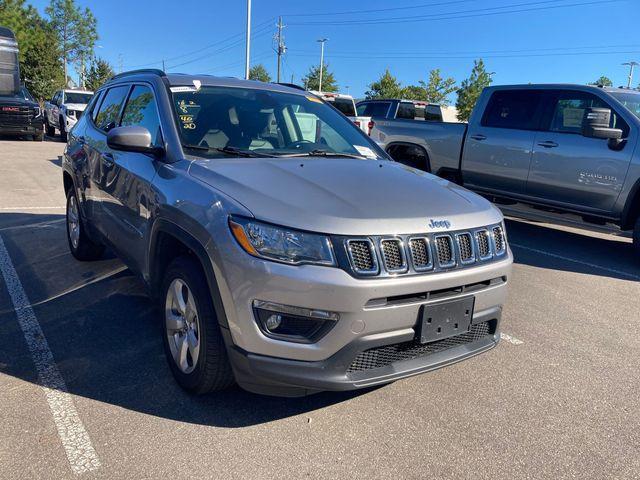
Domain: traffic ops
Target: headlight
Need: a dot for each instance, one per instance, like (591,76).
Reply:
(37,112)
(282,244)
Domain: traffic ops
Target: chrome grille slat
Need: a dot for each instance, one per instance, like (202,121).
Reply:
(445,252)
(484,244)
(421,253)
(393,255)
(466,249)
(363,256)
(498,240)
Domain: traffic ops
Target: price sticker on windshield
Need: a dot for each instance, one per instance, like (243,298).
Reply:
(365,151)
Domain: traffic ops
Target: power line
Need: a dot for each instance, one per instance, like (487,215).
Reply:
(460,14)
(377,10)
(202,49)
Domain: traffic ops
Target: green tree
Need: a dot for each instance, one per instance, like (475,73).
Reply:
(98,73)
(76,30)
(312,79)
(40,67)
(387,86)
(259,72)
(436,90)
(470,90)
(604,81)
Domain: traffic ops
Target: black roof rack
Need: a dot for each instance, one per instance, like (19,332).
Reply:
(152,71)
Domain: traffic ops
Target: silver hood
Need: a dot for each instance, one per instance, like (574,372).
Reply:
(345,196)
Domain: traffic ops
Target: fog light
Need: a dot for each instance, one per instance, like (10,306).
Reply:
(273,322)
(293,324)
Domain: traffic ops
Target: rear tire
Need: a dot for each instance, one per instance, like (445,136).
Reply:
(636,238)
(63,130)
(51,130)
(80,245)
(193,342)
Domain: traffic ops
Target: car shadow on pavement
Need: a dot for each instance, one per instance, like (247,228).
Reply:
(544,247)
(57,161)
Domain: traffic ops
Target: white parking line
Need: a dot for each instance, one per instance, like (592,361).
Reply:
(510,339)
(573,260)
(75,439)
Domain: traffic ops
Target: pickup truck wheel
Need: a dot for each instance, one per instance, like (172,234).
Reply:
(636,238)
(51,130)
(193,342)
(81,246)
(63,130)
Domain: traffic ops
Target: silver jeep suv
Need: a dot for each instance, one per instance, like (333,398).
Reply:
(287,252)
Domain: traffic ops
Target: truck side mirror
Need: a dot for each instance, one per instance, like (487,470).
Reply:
(595,124)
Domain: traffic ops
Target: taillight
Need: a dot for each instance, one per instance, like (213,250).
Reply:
(357,123)
(370,126)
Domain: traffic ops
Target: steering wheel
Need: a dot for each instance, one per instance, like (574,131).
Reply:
(299,143)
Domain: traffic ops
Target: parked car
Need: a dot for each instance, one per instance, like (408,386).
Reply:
(393,108)
(347,105)
(570,148)
(64,110)
(9,66)
(289,260)
(21,115)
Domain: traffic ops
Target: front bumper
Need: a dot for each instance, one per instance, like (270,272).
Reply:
(33,128)
(282,377)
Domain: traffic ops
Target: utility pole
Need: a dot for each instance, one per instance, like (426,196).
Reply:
(631,66)
(248,52)
(280,46)
(322,42)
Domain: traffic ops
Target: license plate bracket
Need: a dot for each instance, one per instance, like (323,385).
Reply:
(443,320)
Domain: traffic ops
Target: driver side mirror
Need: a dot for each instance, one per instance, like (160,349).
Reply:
(132,139)
(595,124)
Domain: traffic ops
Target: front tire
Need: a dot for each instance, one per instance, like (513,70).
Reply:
(51,130)
(193,341)
(80,245)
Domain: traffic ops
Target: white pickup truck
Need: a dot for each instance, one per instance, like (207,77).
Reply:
(64,110)
(347,105)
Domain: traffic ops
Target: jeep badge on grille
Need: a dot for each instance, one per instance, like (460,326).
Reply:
(440,224)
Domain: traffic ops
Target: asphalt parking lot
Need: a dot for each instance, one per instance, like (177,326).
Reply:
(558,398)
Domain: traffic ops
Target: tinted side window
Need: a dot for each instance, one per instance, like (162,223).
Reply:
(373,109)
(93,108)
(406,110)
(569,109)
(141,110)
(512,109)
(109,111)
(345,105)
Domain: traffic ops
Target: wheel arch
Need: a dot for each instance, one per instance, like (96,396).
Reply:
(169,241)
(402,146)
(631,210)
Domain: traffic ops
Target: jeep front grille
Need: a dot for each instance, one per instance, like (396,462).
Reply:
(362,256)
(415,254)
(393,255)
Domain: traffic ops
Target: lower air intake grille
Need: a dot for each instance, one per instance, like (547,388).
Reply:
(465,244)
(384,356)
(420,253)
(483,244)
(498,238)
(361,252)
(392,254)
(444,248)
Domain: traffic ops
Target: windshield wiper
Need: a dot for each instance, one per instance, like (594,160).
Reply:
(238,152)
(321,153)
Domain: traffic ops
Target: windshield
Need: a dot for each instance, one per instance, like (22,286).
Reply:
(373,109)
(22,94)
(629,100)
(222,121)
(346,106)
(77,97)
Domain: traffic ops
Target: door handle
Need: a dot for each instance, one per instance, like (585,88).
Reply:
(548,144)
(107,159)
(479,137)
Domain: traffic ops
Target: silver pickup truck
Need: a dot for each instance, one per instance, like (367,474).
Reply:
(571,148)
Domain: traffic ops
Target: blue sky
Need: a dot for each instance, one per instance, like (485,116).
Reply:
(536,42)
